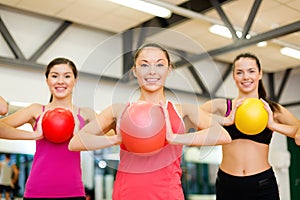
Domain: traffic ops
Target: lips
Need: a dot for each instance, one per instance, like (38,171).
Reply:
(60,89)
(152,80)
(246,84)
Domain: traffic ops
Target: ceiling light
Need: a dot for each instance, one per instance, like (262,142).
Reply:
(224,31)
(145,7)
(262,44)
(290,52)
(220,30)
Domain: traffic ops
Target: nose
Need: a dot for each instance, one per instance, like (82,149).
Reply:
(152,69)
(246,76)
(60,79)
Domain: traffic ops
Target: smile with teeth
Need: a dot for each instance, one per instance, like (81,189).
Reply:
(152,80)
(60,89)
(246,83)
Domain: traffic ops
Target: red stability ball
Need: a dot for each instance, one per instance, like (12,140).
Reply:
(143,128)
(58,125)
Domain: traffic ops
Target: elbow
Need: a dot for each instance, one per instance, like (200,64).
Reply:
(3,110)
(74,144)
(71,146)
(226,137)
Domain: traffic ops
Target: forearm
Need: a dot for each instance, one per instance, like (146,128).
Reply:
(8,132)
(86,142)
(222,120)
(288,130)
(3,106)
(215,135)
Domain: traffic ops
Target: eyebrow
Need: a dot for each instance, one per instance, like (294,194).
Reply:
(58,73)
(161,59)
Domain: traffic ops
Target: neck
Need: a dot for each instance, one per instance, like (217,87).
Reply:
(153,98)
(248,95)
(67,102)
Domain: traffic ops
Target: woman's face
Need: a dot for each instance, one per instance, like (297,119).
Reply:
(61,81)
(151,68)
(246,75)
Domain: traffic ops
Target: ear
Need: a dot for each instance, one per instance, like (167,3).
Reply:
(133,69)
(170,69)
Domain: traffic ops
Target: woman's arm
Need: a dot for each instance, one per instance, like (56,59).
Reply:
(284,122)
(3,106)
(93,135)
(8,132)
(88,139)
(209,132)
(9,125)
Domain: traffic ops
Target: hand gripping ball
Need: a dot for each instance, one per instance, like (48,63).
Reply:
(143,128)
(58,125)
(251,117)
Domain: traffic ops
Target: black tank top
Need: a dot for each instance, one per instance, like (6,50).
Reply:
(263,137)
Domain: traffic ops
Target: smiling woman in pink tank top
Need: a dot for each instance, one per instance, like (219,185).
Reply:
(156,176)
(55,171)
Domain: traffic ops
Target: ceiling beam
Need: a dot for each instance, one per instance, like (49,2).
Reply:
(34,65)
(198,80)
(283,83)
(221,81)
(224,18)
(251,17)
(10,41)
(50,40)
(239,44)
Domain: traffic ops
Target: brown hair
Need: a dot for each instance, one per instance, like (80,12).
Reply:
(137,52)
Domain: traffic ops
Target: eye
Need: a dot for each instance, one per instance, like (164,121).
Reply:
(68,76)
(144,65)
(53,76)
(160,65)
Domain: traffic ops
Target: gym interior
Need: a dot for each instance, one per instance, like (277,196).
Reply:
(99,36)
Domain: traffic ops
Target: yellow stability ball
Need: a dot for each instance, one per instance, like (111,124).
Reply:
(251,117)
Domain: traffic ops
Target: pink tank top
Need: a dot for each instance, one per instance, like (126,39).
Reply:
(55,171)
(152,177)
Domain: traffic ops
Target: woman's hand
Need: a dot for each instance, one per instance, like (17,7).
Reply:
(39,130)
(230,119)
(271,121)
(76,122)
(118,132)
(169,132)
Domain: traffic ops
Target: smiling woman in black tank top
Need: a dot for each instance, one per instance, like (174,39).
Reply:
(245,172)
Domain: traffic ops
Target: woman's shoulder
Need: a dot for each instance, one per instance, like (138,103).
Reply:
(217,105)
(37,106)
(26,114)
(34,108)
(87,113)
